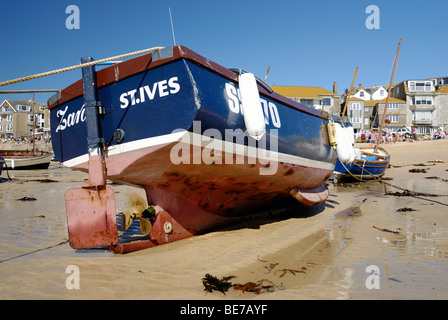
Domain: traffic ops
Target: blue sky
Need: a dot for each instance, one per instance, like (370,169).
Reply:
(306,43)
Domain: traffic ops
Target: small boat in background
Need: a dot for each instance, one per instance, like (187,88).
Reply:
(25,160)
(2,163)
(363,163)
(368,165)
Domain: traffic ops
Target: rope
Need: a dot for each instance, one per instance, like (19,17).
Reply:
(49,73)
(407,192)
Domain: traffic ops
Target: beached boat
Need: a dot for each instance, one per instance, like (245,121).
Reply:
(368,165)
(172,123)
(357,162)
(25,160)
(363,163)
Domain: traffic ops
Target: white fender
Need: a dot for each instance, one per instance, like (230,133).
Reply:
(252,109)
(351,133)
(351,136)
(344,148)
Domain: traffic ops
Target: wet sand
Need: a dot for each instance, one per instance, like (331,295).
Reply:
(310,253)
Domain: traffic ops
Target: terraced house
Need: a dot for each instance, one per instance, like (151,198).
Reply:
(366,108)
(16,118)
(428,103)
(315,97)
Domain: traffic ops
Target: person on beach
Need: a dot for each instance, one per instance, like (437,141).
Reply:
(363,137)
(443,134)
(414,133)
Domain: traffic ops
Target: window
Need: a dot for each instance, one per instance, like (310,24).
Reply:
(366,109)
(40,120)
(22,108)
(327,102)
(381,92)
(8,127)
(422,115)
(361,94)
(356,106)
(5,109)
(392,106)
(9,117)
(421,86)
(355,120)
(307,102)
(392,117)
(366,121)
(422,100)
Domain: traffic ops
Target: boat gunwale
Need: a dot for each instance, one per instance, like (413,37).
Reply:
(23,153)
(131,67)
(385,161)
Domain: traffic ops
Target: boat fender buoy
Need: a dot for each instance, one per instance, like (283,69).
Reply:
(351,134)
(344,146)
(251,105)
(331,128)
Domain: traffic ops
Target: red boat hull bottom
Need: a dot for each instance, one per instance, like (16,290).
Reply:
(190,198)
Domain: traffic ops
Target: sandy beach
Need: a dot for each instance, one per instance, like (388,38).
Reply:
(323,252)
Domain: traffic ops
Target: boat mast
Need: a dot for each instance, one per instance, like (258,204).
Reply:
(32,101)
(350,92)
(267,72)
(380,133)
(34,128)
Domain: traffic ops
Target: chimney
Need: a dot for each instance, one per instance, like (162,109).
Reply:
(335,88)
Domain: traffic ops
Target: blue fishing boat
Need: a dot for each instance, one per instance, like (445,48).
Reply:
(357,162)
(2,163)
(363,163)
(209,145)
(368,165)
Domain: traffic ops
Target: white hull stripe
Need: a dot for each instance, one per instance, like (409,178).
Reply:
(211,143)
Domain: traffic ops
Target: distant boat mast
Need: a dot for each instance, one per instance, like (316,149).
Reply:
(380,133)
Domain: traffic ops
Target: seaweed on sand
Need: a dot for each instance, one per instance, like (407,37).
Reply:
(212,283)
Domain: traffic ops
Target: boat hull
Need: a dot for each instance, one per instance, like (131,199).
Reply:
(363,169)
(19,160)
(174,126)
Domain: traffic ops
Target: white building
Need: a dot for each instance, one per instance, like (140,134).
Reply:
(427,101)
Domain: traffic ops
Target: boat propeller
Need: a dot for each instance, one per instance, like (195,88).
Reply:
(139,211)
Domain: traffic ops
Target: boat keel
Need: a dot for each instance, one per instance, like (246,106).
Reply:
(165,229)
(310,197)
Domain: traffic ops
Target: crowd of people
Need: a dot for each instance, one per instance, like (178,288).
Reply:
(439,134)
(371,136)
(25,140)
